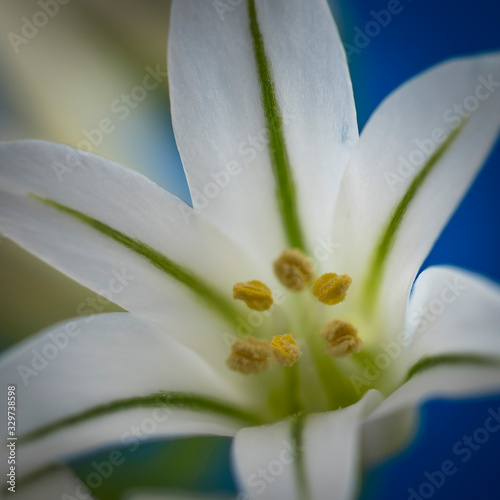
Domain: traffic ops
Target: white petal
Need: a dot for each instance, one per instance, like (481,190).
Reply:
(404,125)
(219,121)
(314,88)
(267,467)
(394,423)
(454,312)
(85,363)
(59,483)
(127,202)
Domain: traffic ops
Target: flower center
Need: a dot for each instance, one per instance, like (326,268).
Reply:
(297,339)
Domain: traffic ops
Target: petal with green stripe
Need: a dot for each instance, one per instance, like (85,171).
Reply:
(89,383)
(123,237)
(217,301)
(389,233)
(392,426)
(306,457)
(280,161)
(454,313)
(284,130)
(411,167)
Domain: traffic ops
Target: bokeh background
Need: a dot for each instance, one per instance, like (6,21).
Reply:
(64,81)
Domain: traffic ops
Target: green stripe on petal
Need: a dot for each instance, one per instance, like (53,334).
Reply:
(297,432)
(277,147)
(212,297)
(389,234)
(451,360)
(189,402)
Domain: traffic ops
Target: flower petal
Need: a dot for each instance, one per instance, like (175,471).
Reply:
(394,423)
(89,187)
(315,460)
(220,123)
(412,165)
(454,312)
(87,382)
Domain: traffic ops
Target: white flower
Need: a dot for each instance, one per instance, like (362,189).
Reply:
(265,122)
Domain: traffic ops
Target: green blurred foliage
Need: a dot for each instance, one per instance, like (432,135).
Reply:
(190,464)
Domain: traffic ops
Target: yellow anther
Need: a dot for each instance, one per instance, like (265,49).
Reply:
(249,355)
(331,288)
(342,338)
(285,351)
(256,295)
(294,269)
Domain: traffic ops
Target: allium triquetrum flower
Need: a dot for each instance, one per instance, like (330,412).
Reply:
(276,310)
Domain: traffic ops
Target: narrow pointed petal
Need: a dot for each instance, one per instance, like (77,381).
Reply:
(414,161)
(91,382)
(120,235)
(315,457)
(220,122)
(454,312)
(454,351)
(394,423)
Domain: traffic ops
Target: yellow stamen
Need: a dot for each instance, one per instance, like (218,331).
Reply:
(256,295)
(294,269)
(249,355)
(285,351)
(342,338)
(331,288)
